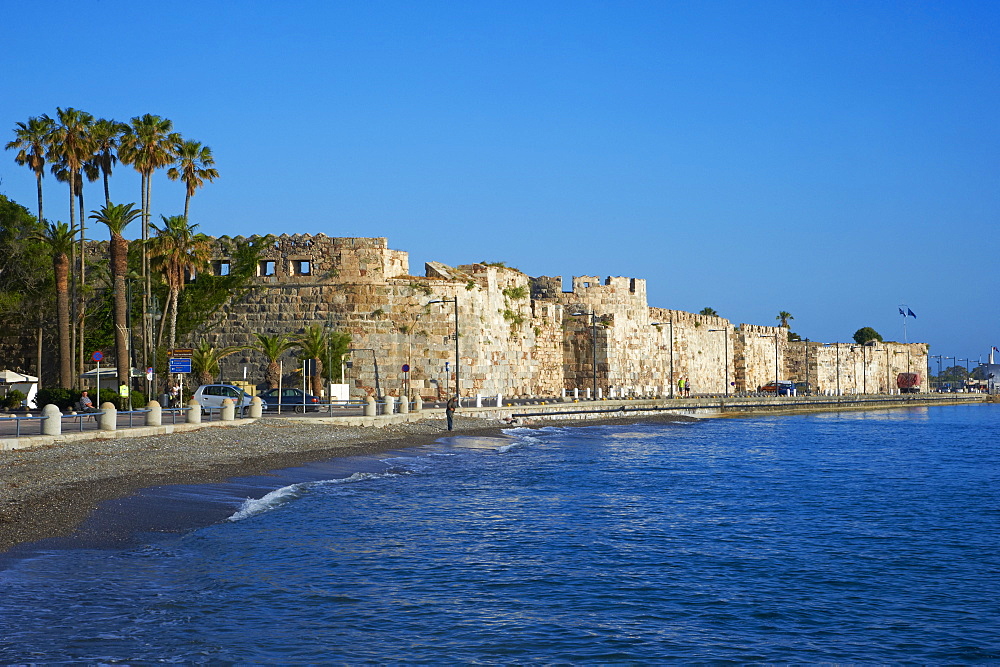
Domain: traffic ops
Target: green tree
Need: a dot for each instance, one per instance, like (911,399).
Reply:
(117,217)
(194,166)
(865,335)
(205,360)
(175,251)
(31,141)
(338,343)
(783,317)
(147,144)
(25,271)
(710,312)
(272,347)
(59,238)
(106,135)
(312,343)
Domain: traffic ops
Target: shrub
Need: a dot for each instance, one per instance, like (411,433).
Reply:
(13,399)
(63,399)
(866,335)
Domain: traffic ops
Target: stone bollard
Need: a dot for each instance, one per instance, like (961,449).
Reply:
(256,408)
(479,400)
(52,425)
(499,401)
(418,403)
(194,412)
(228,412)
(155,415)
(404,405)
(390,405)
(109,420)
(370,407)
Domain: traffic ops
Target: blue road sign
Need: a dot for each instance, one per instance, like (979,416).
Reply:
(179,365)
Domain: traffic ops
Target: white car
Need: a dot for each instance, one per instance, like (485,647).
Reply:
(210,396)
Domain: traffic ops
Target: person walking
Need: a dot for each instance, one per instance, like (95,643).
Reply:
(687,387)
(680,387)
(449,411)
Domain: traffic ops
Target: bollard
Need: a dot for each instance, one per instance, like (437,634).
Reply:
(404,405)
(155,415)
(256,408)
(499,401)
(228,412)
(370,407)
(109,420)
(418,403)
(479,400)
(390,405)
(52,425)
(194,412)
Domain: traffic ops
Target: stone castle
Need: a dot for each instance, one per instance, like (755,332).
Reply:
(518,335)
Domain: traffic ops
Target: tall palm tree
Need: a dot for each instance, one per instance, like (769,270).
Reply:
(783,317)
(710,312)
(60,239)
(273,347)
(147,144)
(205,360)
(106,135)
(32,143)
(117,217)
(193,166)
(177,250)
(312,343)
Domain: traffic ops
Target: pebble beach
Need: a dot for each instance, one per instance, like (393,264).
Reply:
(48,491)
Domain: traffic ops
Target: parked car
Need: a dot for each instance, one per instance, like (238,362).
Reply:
(783,388)
(210,396)
(803,389)
(290,398)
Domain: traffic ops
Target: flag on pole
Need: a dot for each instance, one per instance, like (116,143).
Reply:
(911,313)
(901,312)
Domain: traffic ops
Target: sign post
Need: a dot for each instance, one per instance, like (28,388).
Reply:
(97,356)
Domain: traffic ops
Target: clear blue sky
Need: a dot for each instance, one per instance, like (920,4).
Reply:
(831,159)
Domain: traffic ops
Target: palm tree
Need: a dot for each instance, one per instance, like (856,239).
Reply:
(205,360)
(783,317)
(117,217)
(177,250)
(106,135)
(60,238)
(147,144)
(32,142)
(709,312)
(273,347)
(193,166)
(313,346)
(70,146)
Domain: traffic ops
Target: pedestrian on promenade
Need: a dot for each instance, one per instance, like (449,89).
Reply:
(449,411)
(126,396)
(175,389)
(680,387)
(687,387)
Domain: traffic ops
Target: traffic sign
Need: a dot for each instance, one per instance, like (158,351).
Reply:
(179,365)
(181,352)
(97,356)
(406,368)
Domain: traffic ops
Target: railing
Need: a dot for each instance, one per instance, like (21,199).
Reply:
(17,422)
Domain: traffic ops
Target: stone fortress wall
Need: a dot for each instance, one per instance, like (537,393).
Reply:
(519,335)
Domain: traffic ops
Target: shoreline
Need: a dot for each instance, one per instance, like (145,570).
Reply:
(47,492)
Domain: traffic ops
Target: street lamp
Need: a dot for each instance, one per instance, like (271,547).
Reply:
(593,336)
(153,315)
(938,357)
(454,300)
(670,381)
(725,341)
(775,337)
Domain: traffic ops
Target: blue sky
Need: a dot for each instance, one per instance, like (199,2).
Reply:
(830,159)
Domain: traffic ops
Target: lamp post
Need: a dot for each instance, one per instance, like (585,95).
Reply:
(965,385)
(153,316)
(938,357)
(378,387)
(593,336)
(775,337)
(670,380)
(454,300)
(725,342)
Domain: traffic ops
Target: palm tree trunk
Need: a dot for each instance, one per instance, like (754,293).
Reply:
(119,266)
(60,266)
(83,272)
(38,176)
(187,200)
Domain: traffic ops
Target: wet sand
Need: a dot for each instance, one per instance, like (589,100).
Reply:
(48,491)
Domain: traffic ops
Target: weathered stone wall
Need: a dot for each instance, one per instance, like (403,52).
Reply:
(849,368)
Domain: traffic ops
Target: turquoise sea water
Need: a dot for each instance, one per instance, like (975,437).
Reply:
(850,537)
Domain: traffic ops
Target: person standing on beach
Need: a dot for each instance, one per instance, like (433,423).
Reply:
(449,411)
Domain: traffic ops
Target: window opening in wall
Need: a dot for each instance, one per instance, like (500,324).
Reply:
(266,268)
(301,267)
(221,267)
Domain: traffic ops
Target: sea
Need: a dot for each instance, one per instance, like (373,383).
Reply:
(848,537)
